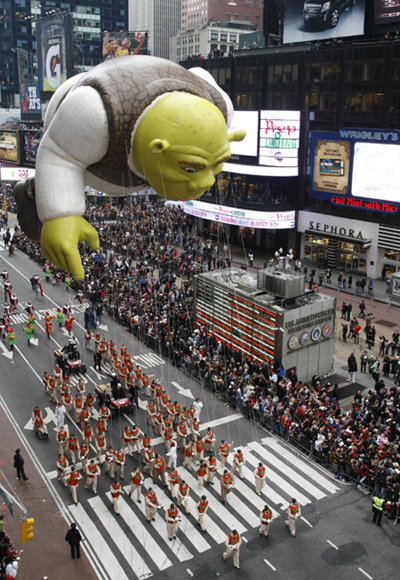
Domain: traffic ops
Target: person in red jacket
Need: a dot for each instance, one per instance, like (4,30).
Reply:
(68,323)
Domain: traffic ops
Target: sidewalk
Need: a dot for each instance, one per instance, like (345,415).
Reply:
(47,555)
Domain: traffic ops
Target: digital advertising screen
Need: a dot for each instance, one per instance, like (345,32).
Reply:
(314,20)
(9,150)
(116,44)
(387,11)
(357,168)
(29,98)
(54,52)
(247,120)
(29,146)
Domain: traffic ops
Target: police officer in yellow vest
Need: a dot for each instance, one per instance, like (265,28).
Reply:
(377,508)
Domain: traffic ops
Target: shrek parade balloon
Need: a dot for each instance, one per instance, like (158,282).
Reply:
(126,123)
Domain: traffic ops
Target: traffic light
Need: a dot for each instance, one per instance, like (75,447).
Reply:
(27,530)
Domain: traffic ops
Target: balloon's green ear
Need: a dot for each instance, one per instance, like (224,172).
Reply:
(158,146)
(236,136)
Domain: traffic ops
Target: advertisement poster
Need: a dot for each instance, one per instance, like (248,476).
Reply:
(29,98)
(279,138)
(332,166)
(314,20)
(9,146)
(387,11)
(357,168)
(124,44)
(30,144)
(54,48)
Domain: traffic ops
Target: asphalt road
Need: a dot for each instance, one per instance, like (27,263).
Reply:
(335,540)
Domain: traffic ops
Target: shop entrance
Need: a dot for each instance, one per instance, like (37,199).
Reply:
(344,256)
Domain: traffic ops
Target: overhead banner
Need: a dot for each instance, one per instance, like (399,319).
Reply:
(9,149)
(357,168)
(29,98)
(387,12)
(240,217)
(54,50)
(320,20)
(116,44)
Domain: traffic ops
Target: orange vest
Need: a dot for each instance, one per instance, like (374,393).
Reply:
(145,381)
(160,464)
(294,509)
(101,426)
(73,443)
(168,432)
(224,449)
(84,451)
(78,403)
(233,540)
(92,468)
(261,471)
(182,429)
(202,506)
(100,440)
(149,455)
(266,516)
(151,407)
(239,458)
(74,478)
(136,478)
(87,430)
(188,450)
(202,472)
(174,477)
(138,374)
(210,435)
(89,401)
(84,415)
(127,436)
(212,463)
(110,455)
(199,445)
(61,437)
(151,496)
(183,489)
(146,442)
(62,463)
(159,390)
(119,458)
(135,433)
(115,490)
(227,479)
(172,513)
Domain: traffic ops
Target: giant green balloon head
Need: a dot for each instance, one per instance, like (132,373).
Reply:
(181,144)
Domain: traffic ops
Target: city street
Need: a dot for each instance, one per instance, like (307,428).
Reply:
(335,535)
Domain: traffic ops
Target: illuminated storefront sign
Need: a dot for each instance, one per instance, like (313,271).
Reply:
(240,217)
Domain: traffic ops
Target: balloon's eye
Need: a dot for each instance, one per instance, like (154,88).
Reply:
(189,170)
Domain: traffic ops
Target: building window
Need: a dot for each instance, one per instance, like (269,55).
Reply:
(224,37)
(214,35)
(178,41)
(178,52)
(232,38)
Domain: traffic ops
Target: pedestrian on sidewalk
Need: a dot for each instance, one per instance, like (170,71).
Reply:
(251,258)
(352,368)
(328,274)
(362,309)
(74,539)
(19,465)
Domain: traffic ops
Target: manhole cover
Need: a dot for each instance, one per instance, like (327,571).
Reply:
(386,323)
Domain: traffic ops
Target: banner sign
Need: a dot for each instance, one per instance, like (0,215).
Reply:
(16,173)
(240,217)
(9,150)
(357,168)
(29,98)
(29,145)
(54,51)
(116,44)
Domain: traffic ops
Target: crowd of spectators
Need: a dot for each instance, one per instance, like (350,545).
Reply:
(143,277)
(8,556)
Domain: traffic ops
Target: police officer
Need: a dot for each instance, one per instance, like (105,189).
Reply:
(377,508)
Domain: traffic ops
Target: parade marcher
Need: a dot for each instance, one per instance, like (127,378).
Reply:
(238,463)
(172,519)
(127,440)
(135,432)
(73,447)
(209,439)
(116,491)
(62,439)
(83,455)
(224,451)
(78,406)
(183,495)
(149,458)
(232,544)
(293,512)
(60,414)
(88,340)
(66,399)
(28,333)
(199,450)
(110,461)
(150,412)
(173,477)
(92,473)
(11,339)
(120,463)
(226,485)
(196,430)
(260,477)
(201,474)
(51,390)
(212,468)
(62,464)
(145,443)
(101,446)
(60,317)
(74,478)
(151,505)
(265,521)
(198,405)
(187,451)
(137,480)
(58,376)
(159,469)
(87,433)
(172,456)
(202,507)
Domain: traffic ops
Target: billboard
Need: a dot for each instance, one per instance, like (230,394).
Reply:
(15,173)
(321,20)
(116,44)
(29,145)
(357,168)
(54,50)
(29,98)
(9,150)
(387,11)
(271,146)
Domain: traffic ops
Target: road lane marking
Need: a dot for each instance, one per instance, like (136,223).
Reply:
(270,565)
(333,545)
(365,574)
(304,520)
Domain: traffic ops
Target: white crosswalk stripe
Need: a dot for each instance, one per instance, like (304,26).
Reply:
(124,544)
(145,547)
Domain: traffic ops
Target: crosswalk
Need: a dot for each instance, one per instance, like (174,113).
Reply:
(131,547)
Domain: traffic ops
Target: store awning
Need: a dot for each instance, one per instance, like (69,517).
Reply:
(363,242)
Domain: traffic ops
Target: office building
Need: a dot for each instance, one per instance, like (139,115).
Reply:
(196,13)
(161,18)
